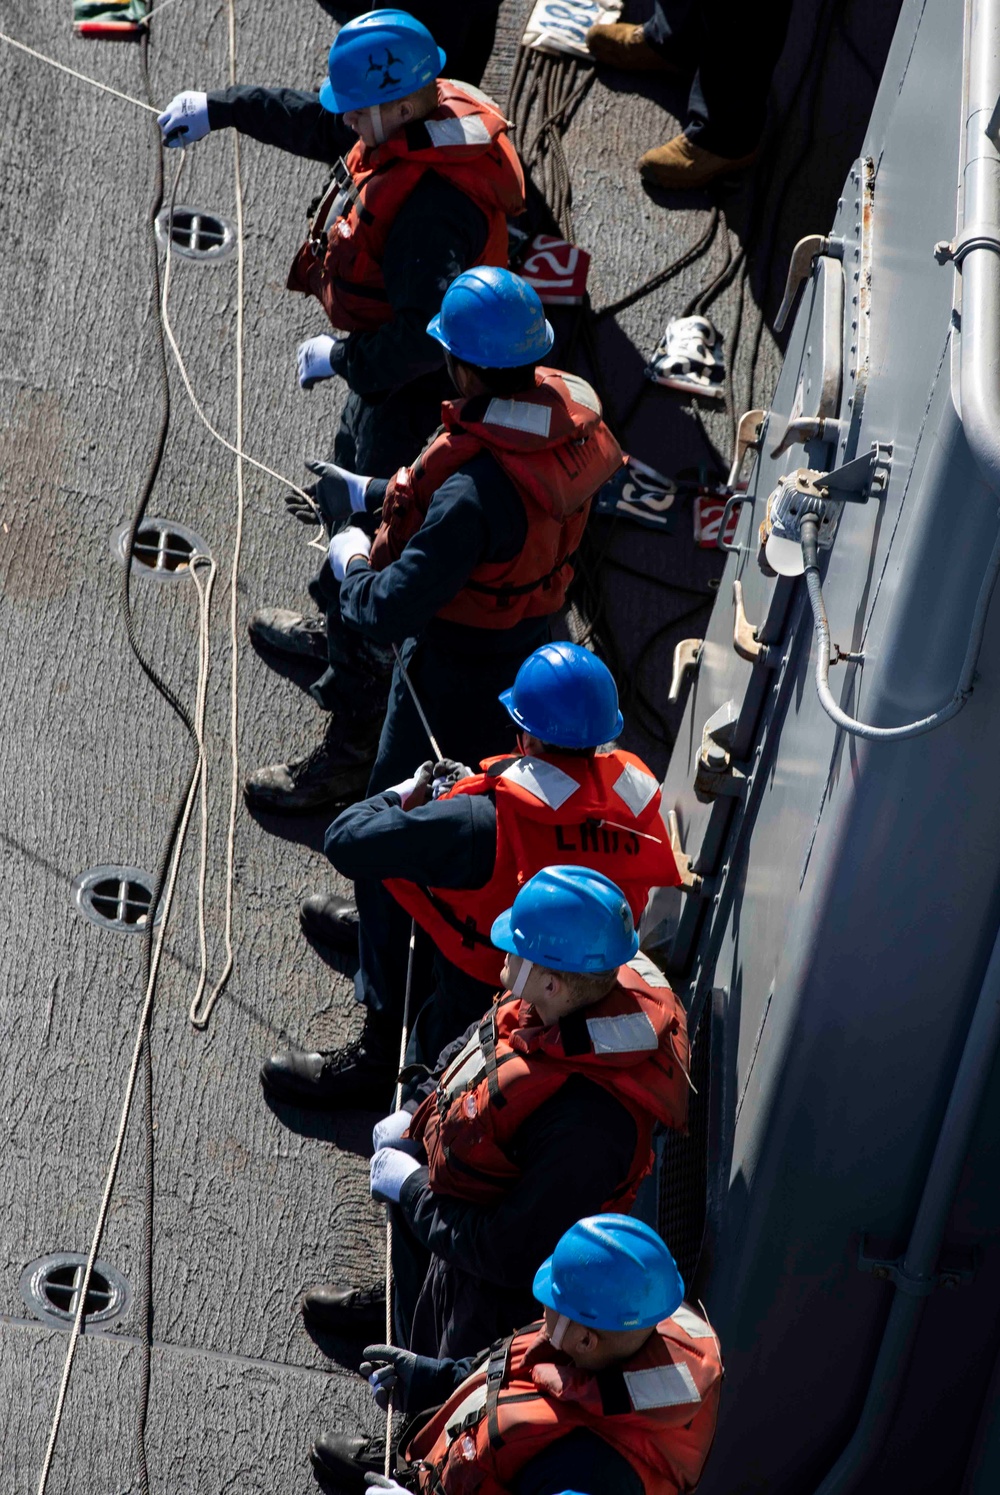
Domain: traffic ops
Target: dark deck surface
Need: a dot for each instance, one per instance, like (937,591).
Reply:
(251,1207)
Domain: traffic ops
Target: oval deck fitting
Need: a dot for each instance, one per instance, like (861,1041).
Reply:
(51,1287)
(114,897)
(196,234)
(163,548)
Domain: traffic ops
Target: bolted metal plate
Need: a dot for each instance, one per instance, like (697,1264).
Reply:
(162,549)
(50,1287)
(195,233)
(113,897)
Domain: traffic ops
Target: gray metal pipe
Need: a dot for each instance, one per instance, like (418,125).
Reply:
(978,246)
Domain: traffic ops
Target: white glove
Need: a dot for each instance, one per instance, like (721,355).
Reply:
(414,791)
(314,359)
(185,119)
(381,1482)
(390,1129)
(345,546)
(389,1171)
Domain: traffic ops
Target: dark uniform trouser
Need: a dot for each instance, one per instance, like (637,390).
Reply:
(735,48)
(376,438)
(459,695)
(444,1312)
(444,999)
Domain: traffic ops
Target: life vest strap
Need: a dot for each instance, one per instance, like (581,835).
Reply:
(505,594)
(467,927)
(496,1374)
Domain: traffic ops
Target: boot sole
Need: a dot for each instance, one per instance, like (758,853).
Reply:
(343,938)
(346,794)
(345,1326)
(305,1101)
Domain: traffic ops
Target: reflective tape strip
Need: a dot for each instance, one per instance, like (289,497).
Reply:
(465,1070)
(543,780)
(471,1405)
(469,130)
(661,1386)
(644,967)
(476,93)
(632,1033)
(518,415)
(635,788)
(582,392)
(693,1326)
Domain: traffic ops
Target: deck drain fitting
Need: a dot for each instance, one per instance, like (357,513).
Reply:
(195,234)
(115,898)
(51,1287)
(162,549)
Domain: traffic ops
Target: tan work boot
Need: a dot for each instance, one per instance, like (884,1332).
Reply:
(681,165)
(624,46)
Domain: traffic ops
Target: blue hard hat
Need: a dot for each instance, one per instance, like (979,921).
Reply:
(565,696)
(379,57)
(610,1272)
(568,919)
(492,319)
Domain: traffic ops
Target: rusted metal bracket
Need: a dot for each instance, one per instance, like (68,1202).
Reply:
(745,640)
(800,268)
(717,775)
(686,656)
(748,437)
(691,882)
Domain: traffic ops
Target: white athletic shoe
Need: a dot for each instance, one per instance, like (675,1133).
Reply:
(688,357)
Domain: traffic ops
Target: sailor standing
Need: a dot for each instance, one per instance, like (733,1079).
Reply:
(615,1392)
(456,862)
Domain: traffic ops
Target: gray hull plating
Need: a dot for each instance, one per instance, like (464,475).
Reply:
(850,903)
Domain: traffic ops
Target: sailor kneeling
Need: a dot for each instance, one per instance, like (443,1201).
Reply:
(456,863)
(544,1113)
(475,549)
(616,1392)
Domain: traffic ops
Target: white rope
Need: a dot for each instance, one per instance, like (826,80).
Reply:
(201,696)
(161,6)
(179,357)
(105,87)
(404,1039)
(320,541)
(198,1015)
(204,596)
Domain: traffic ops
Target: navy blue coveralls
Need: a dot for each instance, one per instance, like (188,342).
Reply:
(449,843)
(476,517)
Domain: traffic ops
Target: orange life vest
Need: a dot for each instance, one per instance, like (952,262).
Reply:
(555,448)
(633,1043)
(601,812)
(464,140)
(658,1410)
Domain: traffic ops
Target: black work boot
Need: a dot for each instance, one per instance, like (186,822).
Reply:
(346,1310)
(360,1075)
(286,632)
(335,771)
(345,1459)
(330,920)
